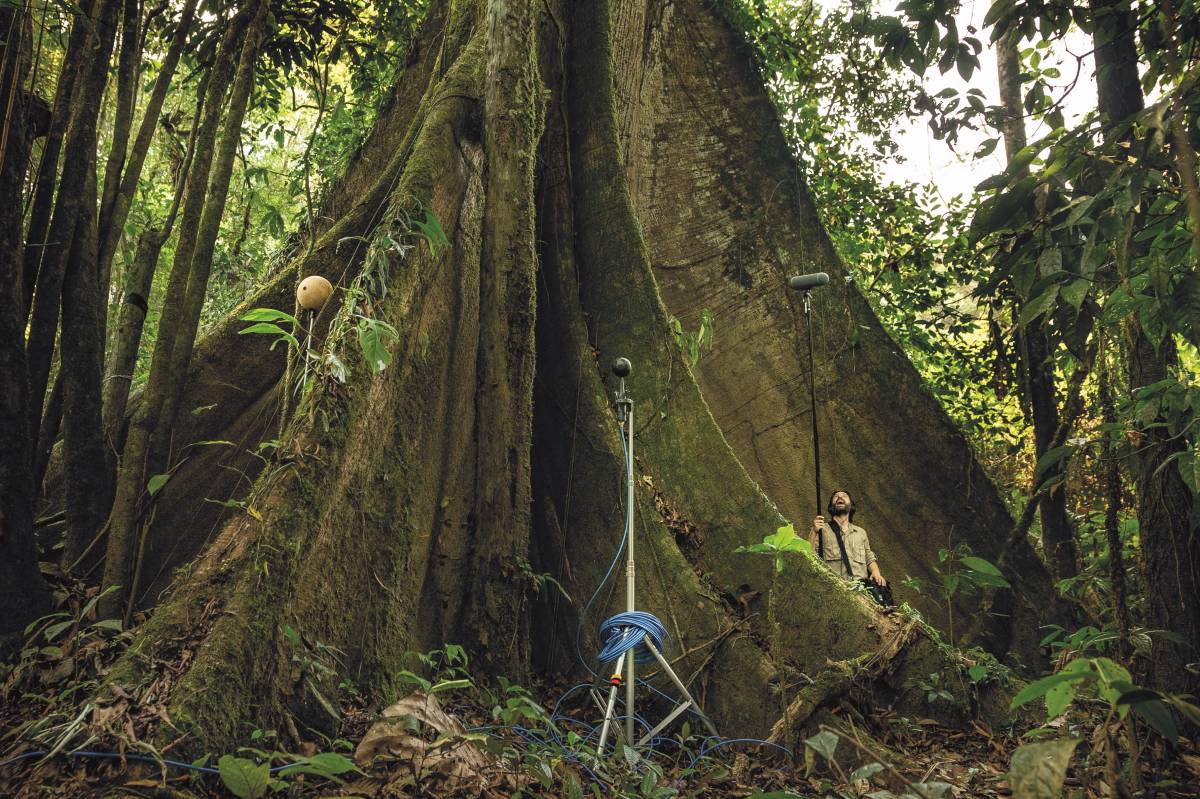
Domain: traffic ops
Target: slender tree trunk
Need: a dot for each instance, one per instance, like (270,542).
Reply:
(47,176)
(70,210)
(112,223)
(210,225)
(148,431)
(48,432)
(1170,547)
(1112,509)
(118,374)
(127,74)
(23,593)
(86,469)
(1034,345)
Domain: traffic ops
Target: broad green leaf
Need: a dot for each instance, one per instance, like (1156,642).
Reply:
(1138,695)
(1040,687)
(1049,261)
(823,743)
(244,778)
(371,336)
(1158,715)
(977,673)
(980,565)
(1051,459)
(1042,304)
(1114,678)
(449,685)
(1059,698)
(326,764)
(55,630)
(264,327)
(156,483)
(1075,292)
(267,315)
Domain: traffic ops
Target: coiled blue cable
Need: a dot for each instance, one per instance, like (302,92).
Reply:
(628,630)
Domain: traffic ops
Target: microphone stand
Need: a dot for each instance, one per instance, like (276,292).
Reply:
(812,387)
(624,406)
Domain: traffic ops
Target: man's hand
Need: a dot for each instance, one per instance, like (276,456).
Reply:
(818,522)
(876,575)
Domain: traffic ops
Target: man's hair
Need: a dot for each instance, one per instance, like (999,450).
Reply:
(829,506)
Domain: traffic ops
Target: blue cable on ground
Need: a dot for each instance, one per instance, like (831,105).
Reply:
(136,758)
(727,741)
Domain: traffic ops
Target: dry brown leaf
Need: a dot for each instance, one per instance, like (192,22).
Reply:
(392,737)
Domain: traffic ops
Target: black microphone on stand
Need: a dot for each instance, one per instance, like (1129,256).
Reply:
(806,283)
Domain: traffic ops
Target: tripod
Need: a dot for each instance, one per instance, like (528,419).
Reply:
(634,640)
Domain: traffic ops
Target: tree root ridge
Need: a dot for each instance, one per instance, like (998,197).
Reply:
(839,679)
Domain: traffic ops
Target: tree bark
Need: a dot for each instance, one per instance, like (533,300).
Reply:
(70,210)
(1166,521)
(512,122)
(86,468)
(47,176)
(1034,343)
(23,592)
(128,64)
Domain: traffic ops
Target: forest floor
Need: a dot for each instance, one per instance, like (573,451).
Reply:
(451,738)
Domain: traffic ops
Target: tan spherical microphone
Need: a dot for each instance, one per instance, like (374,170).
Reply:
(313,292)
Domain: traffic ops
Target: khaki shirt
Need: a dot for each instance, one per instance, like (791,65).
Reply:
(858,550)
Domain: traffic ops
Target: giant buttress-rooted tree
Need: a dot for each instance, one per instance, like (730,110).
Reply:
(593,164)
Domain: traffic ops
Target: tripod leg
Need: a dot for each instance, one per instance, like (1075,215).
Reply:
(612,703)
(662,661)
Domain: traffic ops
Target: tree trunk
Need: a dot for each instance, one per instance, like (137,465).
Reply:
(128,64)
(696,123)
(23,593)
(86,468)
(386,523)
(47,176)
(71,211)
(139,278)
(1034,344)
(512,123)
(202,210)
(1167,526)
(112,223)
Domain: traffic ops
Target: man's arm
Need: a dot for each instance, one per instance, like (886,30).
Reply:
(814,532)
(873,565)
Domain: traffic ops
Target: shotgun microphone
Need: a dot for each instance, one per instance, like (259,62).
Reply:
(807,282)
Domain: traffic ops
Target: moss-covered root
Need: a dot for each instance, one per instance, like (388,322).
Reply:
(330,566)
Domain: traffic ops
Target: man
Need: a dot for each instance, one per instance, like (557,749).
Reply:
(852,557)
